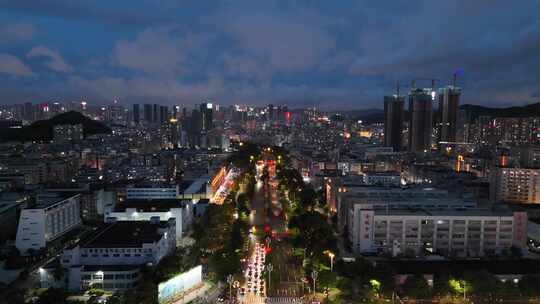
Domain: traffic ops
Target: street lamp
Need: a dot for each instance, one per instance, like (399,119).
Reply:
(331,255)
(314,274)
(269,268)
(230,281)
(464,290)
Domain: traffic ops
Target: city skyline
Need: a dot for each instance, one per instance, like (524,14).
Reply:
(333,56)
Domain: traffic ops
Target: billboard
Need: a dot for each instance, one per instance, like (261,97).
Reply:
(169,290)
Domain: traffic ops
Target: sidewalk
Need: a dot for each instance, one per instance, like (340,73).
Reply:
(194,294)
(207,293)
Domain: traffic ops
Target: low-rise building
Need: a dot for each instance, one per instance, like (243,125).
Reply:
(183,211)
(462,232)
(111,258)
(515,185)
(162,192)
(387,178)
(53,216)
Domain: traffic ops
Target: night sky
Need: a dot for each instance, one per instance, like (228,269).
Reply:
(332,54)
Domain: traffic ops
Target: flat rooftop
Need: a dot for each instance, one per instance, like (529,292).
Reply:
(446,212)
(383,173)
(46,201)
(126,234)
(5,206)
(154,205)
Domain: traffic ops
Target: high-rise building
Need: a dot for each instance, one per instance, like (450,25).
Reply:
(207,118)
(184,112)
(393,121)
(270,112)
(448,109)
(163,114)
(155,113)
(148,113)
(136,113)
(420,120)
(28,111)
(194,128)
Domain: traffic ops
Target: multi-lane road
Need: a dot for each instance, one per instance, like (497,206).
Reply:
(267,217)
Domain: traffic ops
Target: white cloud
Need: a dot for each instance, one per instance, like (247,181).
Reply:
(54,61)
(16,32)
(12,65)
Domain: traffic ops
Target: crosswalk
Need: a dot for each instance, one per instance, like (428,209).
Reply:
(283,300)
(273,300)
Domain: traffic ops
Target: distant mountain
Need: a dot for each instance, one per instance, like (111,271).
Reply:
(43,129)
(529,110)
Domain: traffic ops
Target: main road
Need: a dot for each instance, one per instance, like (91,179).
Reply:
(267,218)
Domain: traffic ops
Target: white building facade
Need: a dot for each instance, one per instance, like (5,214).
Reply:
(111,259)
(461,233)
(47,221)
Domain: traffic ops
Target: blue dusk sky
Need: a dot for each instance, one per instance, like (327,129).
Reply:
(331,54)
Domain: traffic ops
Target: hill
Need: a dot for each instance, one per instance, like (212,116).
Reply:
(529,110)
(42,130)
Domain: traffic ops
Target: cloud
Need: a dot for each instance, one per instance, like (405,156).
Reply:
(53,61)
(117,13)
(144,88)
(161,50)
(299,52)
(283,43)
(16,32)
(12,65)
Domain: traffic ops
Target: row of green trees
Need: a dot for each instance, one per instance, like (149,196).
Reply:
(311,229)
(370,281)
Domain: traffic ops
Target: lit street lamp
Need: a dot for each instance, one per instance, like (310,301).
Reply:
(331,255)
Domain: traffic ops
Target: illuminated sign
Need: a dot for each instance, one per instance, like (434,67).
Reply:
(169,290)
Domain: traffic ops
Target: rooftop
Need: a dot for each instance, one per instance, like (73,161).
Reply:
(446,212)
(126,234)
(5,206)
(396,194)
(385,173)
(155,205)
(46,201)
